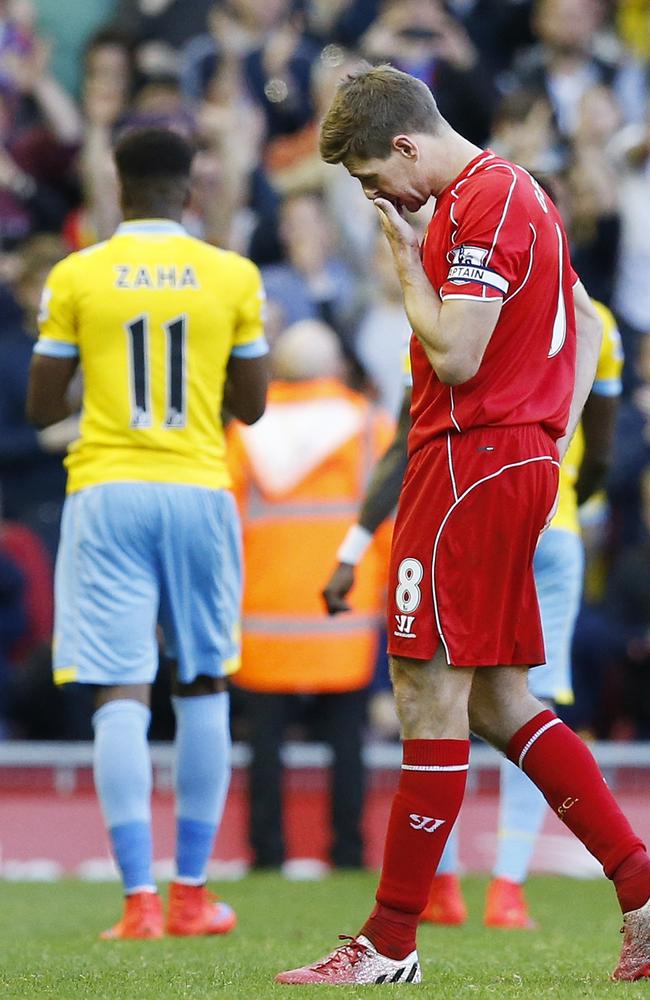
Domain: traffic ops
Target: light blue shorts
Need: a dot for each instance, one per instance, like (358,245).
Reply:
(559,569)
(135,555)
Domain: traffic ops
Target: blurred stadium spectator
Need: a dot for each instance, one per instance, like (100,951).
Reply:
(631,153)
(32,478)
(299,474)
(312,282)
(560,86)
(629,611)
(13,622)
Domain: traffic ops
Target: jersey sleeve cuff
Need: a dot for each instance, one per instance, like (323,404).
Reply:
(255,349)
(607,387)
(55,348)
(477,296)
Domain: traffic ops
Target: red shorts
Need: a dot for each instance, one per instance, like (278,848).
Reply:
(461,572)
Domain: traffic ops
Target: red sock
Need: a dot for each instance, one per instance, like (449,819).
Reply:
(425,807)
(566,773)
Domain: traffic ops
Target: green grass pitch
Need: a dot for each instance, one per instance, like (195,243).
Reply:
(49,946)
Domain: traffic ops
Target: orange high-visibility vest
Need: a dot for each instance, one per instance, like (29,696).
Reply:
(299,475)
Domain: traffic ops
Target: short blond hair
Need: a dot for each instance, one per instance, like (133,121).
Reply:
(371,106)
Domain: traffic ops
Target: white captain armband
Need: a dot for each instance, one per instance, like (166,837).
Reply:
(354,545)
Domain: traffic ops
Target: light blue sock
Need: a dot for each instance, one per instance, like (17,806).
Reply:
(122,768)
(522,809)
(202,777)
(449,861)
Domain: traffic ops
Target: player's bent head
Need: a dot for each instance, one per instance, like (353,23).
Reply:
(371,106)
(154,167)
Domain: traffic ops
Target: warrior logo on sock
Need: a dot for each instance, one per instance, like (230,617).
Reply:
(426,823)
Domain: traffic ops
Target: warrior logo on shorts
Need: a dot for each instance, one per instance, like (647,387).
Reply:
(404,626)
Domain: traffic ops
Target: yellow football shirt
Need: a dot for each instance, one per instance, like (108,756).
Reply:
(154,316)
(607,383)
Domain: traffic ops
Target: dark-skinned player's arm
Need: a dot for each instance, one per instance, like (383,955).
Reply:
(247,381)
(248,370)
(380,500)
(589,334)
(453,334)
(47,390)
(598,426)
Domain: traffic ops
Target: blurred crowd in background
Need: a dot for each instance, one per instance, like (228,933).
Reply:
(559,86)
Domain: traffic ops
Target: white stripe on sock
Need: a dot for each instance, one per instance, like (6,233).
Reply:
(534,738)
(435,767)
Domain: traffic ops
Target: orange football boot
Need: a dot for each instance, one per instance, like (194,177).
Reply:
(505,906)
(445,904)
(143,918)
(193,911)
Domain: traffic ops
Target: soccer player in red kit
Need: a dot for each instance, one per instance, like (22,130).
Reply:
(504,351)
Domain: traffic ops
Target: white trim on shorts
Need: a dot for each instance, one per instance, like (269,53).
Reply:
(484,479)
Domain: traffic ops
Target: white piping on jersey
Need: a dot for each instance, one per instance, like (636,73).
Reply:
(505,166)
(455,196)
(454,193)
(451,411)
(530,265)
(484,479)
(534,738)
(560,313)
(436,767)
(484,159)
(451,466)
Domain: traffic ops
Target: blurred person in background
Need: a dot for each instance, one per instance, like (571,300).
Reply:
(232,198)
(566,61)
(40,130)
(32,477)
(232,31)
(525,131)
(627,604)
(582,174)
(279,72)
(268,40)
(13,623)
(631,299)
(311,282)
(384,330)
(106,91)
(590,206)
(423,39)
(632,447)
(159,30)
(298,476)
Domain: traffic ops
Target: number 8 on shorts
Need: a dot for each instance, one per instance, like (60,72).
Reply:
(407,592)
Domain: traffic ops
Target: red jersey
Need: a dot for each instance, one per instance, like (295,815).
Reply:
(496,234)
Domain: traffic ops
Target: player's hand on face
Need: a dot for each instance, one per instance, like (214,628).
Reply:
(337,588)
(399,233)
